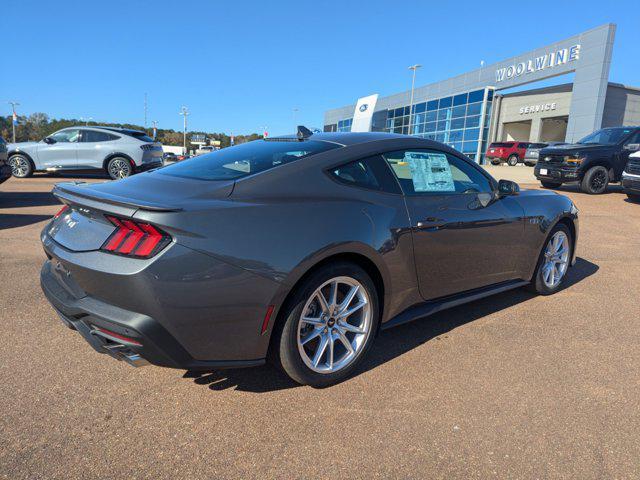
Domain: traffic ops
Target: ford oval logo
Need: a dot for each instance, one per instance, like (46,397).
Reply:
(364,107)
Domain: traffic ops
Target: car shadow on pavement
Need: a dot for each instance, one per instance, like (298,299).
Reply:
(14,221)
(390,343)
(27,199)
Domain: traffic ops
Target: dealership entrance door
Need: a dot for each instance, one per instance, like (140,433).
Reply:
(554,129)
(516,131)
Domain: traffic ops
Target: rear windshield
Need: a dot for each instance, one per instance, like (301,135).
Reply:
(246,159)
(143,137)
(537,145)
(496,145)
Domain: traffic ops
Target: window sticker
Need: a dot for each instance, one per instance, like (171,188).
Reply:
(430,172)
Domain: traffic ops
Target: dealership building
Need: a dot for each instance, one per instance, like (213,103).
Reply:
(489,104)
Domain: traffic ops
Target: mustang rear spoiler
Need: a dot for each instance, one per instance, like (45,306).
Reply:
(67,191)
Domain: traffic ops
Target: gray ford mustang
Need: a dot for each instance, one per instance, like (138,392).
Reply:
(298,249)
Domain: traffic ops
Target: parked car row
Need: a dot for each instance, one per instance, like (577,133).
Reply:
(603,157)
(5,169)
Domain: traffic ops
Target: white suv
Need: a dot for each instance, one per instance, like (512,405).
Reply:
(118,151)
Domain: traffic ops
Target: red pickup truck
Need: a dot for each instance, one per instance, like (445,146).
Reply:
(510,152)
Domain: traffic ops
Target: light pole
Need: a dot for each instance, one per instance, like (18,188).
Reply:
(86,120)
(14,118)
(413,84)
(184,112)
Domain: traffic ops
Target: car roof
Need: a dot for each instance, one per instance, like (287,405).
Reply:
(99,127)
(343,138)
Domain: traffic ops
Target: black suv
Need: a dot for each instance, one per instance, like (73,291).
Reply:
(594,161)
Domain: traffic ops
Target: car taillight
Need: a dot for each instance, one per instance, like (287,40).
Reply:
(147,146)
(135,239)
(61,211)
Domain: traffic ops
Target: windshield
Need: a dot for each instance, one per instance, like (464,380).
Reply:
(246,159)
(606,136)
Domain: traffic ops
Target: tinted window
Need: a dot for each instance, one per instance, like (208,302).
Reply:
(635,138)
(371,173)
(607,136)
(523,145)
(66,136)
(501,144)
(430,171)
(476,96)
(94,136)
(246,159)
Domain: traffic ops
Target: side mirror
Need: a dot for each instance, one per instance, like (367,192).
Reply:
(632,147)
(49,140)
(507,187)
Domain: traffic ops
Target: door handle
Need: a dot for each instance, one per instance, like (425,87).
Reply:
(430,224)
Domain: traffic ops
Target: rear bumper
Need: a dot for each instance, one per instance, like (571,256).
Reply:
(155,163)
(138,339)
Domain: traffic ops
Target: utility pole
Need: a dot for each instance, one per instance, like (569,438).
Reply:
(145,111)
(155,129)
(184,112)
(413,84)
(14,119)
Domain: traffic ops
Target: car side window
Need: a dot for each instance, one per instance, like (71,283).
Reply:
(66,136)
(424,172)
(94,136)
(370,173)
(635,138)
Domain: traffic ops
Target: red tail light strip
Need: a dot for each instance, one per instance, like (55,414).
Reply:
(135,239)
(61,211)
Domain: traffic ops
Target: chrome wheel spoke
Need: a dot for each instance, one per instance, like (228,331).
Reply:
(323,302)
(345,341)
(350,328)
(348,298)
(322,346)
(314,334)
(313,321)
(352,310)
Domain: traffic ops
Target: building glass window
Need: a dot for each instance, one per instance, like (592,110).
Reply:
(454,120)
(345,125)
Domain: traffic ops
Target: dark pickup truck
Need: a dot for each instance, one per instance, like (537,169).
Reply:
(594,161)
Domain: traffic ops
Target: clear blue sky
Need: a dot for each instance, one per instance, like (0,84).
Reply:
(243,65)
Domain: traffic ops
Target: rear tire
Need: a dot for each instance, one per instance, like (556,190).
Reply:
(551,185)
(513,160)
(317,353)
(545,279)
(595,181)
(21,166)
(119,167)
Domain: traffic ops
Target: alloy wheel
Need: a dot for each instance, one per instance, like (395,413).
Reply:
(19,166)
(599,180)
(556,259)
(335,325)
(119,168)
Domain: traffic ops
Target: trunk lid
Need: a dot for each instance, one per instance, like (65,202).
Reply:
(84,225)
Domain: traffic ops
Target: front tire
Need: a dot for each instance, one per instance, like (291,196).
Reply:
(513,160)
(119,167)
(553,262)
(21,166)
(595,181)
(328,326)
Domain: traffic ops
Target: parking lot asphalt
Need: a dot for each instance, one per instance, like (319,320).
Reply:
(513,386)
